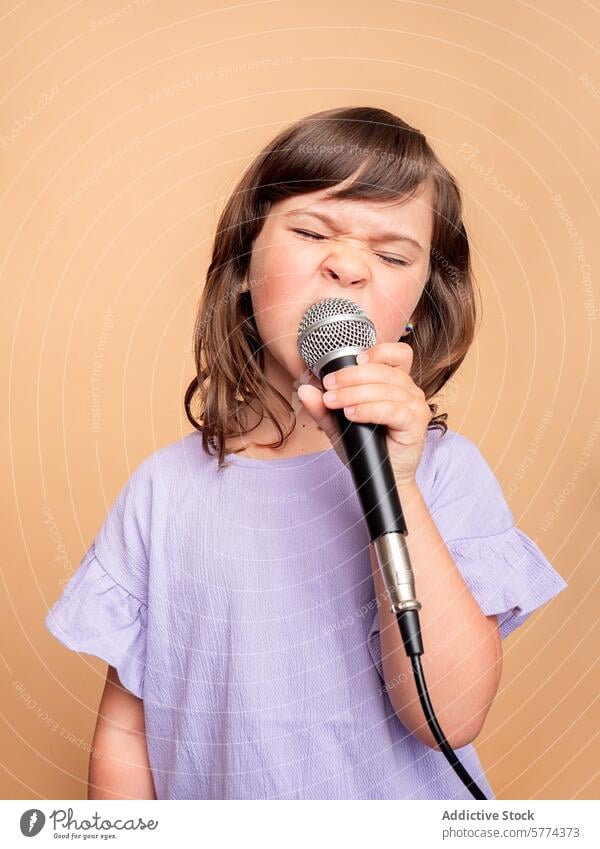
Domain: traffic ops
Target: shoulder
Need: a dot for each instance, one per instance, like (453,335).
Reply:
(454,450)
(172,461)
(450,451)
(153,492)
(450,439)
(170,473)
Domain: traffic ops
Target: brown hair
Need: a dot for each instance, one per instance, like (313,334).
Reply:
(319,151)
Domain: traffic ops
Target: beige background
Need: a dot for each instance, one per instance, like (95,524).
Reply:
(123,127)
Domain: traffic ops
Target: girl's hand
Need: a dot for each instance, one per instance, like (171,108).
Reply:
(382,392)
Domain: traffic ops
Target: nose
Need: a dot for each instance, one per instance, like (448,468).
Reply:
(346,265)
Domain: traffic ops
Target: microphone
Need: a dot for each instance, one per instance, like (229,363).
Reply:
(331,334)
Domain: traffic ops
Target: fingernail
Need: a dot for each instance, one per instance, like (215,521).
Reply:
(362,358)
(329,380)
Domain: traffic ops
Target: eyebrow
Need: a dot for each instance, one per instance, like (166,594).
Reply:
(382,237)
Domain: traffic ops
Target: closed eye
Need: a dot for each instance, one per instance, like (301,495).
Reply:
(316,237)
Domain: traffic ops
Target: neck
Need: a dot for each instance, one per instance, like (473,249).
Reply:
(306,438)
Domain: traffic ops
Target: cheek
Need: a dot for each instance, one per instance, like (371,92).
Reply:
(278,282)
(390,315)
(277,277)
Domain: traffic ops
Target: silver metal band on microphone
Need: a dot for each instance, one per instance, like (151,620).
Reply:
(395,568)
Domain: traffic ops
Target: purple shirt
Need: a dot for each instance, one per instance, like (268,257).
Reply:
(240,606)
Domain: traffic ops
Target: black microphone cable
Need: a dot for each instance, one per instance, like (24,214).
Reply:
(410,629)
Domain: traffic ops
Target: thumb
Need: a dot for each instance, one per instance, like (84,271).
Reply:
(312,401)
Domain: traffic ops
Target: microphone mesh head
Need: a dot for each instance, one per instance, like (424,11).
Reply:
(330,325)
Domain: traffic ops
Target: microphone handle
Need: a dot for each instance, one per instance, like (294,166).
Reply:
(369,462)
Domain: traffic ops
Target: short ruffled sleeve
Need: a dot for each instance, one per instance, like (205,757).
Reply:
(505,570)
(507,574)
(103,610)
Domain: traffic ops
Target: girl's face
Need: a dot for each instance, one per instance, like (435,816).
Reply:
(375,253)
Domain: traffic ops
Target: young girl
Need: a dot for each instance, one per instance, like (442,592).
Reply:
(231,587)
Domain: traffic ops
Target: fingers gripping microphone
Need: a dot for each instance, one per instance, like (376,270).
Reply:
(331,334)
